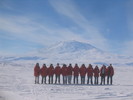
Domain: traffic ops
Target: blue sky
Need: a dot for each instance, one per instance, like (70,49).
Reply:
(28,25)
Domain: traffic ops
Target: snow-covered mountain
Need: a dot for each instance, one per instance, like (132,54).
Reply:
(69,52)
(70,47)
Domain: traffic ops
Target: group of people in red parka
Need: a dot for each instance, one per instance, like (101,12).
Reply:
(69,72)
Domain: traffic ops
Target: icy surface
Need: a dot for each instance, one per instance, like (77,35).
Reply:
(17,83)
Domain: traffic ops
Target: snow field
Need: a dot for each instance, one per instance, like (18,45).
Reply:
(17,83)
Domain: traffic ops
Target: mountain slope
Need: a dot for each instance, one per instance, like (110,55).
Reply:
(69,52)
(71,46)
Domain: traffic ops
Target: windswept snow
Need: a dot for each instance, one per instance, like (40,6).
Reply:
(17,83)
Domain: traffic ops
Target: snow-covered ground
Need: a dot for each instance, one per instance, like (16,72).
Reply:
(17,83)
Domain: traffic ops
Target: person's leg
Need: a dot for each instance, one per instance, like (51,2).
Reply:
(104,80)
(111,80)
(66,80)
(49,79)
(59,79)
(63,80)
(108,79)
(74,79)
(97,80)
(77,79)
(88,80)
(42,80)
(81,80)
(101,79)
(38,79)
(84,80)
(45,79)
(70,78)
(91,80)
(55,79)
(35,80)
(52,79)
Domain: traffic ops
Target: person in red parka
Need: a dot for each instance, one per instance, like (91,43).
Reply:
(76,73)
(89,72)
(57,73)
(69,73)
(82,73)
(110,73)
(37,73)
(51,73)
(96,74)
(44,73)
(64,73)
(103,74)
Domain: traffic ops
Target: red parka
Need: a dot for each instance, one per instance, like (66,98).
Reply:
(110,71)
(103,70)
(64,70)
(76,70)
(51,70)
(69,70)
(82,70)
(44,70)
(57,70)
(89,70)
(96,71)
(37,70)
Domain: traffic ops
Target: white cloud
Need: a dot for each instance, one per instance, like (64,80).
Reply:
(27,29)
(128,48)
(69,9)
(4,4)
(130,15)
(128,45)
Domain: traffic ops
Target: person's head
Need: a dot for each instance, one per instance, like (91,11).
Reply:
(76,64)
(70,64)
(57,64)
(90,65)
(64,65)
(44,65)
(83,65)
(37,64)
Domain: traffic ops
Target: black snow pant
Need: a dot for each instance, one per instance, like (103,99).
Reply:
(75,80)
(89,80)
(43,79)
(51,79)
(109,78)
(82,79)
(57,77)
(102,79)
(64,79)
(96,80)
(36,79)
